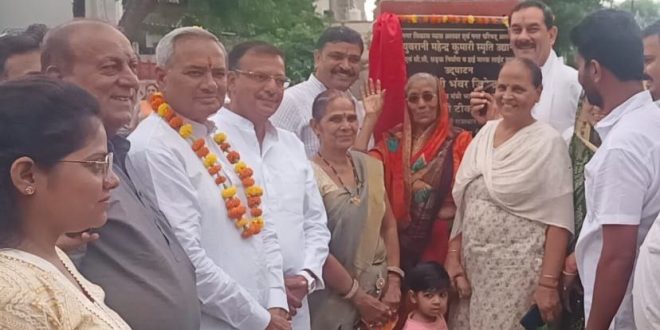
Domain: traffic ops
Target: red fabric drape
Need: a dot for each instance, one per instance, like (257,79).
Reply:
(387,63)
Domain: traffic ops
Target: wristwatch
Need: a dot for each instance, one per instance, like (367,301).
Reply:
(311,280)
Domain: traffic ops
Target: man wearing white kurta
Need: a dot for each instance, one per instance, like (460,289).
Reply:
(532,35)
(256,83)
(646,284)
(622,180)
(239,280)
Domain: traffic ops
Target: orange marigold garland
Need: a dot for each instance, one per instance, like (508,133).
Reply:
(236,211)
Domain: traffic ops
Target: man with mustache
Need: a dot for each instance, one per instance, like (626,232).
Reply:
(256,82)
(622,185)
(202,182)
(337,66)
(135,257)
(532,34)
(646,284)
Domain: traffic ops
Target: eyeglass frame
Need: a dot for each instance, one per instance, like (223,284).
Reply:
(421,96)
(107,171)
(282,83)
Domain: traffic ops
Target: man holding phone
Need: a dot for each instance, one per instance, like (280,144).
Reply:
(532,34)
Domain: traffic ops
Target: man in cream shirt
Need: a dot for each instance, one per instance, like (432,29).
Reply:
(256,82)
(239,276)
(532,34)
(646,288)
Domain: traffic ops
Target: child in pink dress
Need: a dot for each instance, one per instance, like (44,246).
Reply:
(428,285)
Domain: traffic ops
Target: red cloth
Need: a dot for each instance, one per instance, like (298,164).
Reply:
(387,63)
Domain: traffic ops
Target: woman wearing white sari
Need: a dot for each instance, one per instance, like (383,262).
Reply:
(513,194)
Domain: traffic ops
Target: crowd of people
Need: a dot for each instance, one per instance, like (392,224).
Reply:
(279,209)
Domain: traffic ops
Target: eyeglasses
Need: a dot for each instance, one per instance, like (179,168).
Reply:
(262,78)
(427,97)
(98,167)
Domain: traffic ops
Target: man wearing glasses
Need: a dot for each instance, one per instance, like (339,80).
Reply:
(256,82)
(135,257)
(199,180)
(336,66)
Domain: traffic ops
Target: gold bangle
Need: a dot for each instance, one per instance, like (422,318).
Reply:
(548,286)
(353,291)
(550,276)
(568,274)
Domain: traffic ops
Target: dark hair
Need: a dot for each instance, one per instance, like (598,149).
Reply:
(534,70)
(36,32)
(57,50)
(652,30)
(322,100)
(336,34)
(548,16)
(427,276)
(44,119)
(613,38)
(256,47)
(11,45)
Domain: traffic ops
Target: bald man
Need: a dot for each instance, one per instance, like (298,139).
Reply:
(146,275)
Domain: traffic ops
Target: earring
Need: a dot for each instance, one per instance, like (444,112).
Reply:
(29,190)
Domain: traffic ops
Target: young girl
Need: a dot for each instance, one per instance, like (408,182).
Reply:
(428,285)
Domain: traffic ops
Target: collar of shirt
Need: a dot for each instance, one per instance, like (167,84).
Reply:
(200,130)
(119,146)
(318,85)
(547,67)
(636,101)
(236,120)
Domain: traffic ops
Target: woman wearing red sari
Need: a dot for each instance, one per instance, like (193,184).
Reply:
(420,159)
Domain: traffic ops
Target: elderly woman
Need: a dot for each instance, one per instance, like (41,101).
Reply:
(513,194)
(55,178)
(420,158)
(361,273)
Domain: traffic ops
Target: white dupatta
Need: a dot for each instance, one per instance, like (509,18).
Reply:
(528,175)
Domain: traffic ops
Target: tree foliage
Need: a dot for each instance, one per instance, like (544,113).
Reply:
(291,25)
(568,13)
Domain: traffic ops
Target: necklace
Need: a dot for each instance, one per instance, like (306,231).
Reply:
(236,210)
(355,197)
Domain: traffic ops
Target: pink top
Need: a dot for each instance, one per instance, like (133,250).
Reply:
(411,324)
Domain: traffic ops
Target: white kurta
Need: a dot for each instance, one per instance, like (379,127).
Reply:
(237,279)
(646,286)
(292,199)
(622,187)
(560,96)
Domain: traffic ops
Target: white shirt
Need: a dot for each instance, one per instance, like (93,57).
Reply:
(295,112)
(560,96)
(622,187)
(237,278)
(294,203)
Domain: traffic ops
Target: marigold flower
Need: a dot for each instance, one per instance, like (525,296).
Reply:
(255,211)
(254,191)
(176,122)
(259,220)
(155,100)
(225,146)
(470,19)
(245,173)
(241,223)
(202,152)
(210,159)
(232,203)
(236,212)
(186,131)
(198,144)
(247,182)
(219,138)
(229,192)
(240,166)
(215,169)
(254,201)
(233,157)
(163,110)
(220,180)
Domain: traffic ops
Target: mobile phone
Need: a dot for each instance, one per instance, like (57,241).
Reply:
(532,319)
(490,89)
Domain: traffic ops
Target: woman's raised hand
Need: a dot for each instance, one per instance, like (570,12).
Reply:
(373,98)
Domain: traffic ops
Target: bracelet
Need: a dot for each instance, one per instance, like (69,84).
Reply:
(554,287)
(453,251)
(396,270)
(550,276)
(568,274)
(353,291)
